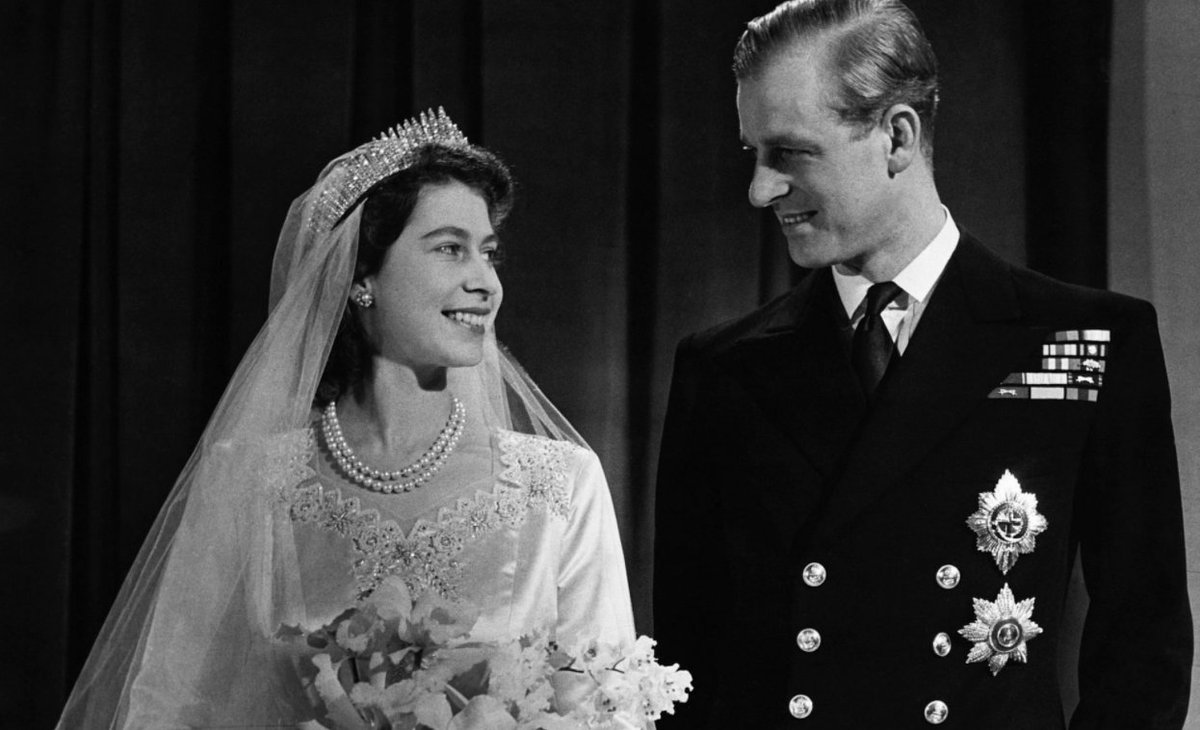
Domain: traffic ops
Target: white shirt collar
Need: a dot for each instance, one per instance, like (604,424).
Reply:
(916,279)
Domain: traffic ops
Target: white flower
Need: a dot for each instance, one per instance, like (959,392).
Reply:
(643,651)
(392,599)
(519,674)
(483,713)
(433,710)
(338,704)
(420,664)
(326,682)
(436,621)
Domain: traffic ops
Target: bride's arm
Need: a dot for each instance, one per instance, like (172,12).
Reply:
(593,590)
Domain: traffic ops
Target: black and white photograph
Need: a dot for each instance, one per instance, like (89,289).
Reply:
(513,365)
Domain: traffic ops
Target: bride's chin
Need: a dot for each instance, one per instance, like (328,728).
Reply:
(465,357)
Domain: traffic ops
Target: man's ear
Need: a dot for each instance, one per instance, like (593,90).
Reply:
(903,127)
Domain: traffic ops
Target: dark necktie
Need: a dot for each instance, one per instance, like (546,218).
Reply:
(871,350)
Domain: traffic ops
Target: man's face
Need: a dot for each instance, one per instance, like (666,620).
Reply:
(826,181)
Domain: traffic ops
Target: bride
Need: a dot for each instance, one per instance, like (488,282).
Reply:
(374,431)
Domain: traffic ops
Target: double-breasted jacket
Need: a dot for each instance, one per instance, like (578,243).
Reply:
(827,562)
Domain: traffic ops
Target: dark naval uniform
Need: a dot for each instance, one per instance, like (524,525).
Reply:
(825,563)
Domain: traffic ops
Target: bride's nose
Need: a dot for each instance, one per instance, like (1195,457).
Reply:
(481,277)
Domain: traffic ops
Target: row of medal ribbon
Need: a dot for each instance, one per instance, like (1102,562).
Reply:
(1072,369)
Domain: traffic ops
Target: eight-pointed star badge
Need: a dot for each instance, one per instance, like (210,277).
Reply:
(1007,522)
(1000,630)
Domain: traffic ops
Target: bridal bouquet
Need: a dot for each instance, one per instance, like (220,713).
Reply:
(395,663)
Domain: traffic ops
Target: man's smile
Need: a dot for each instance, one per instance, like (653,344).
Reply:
(795,219)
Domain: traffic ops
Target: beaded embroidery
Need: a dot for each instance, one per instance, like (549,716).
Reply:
(538,465)
(286,459)
(429,558)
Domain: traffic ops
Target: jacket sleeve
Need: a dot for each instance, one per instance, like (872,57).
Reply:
(1136,654)
(686,565)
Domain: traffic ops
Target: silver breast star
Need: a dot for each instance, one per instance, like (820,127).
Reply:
(1000,630)
(1007,522)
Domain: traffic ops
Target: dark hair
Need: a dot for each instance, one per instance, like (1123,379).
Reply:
(876,49)
(386,209)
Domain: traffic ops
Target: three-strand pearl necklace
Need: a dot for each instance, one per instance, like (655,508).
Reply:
(405,478)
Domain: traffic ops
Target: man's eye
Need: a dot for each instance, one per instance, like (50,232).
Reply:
(791,153)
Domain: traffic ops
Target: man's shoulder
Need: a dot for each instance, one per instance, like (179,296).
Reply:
(1043,298)
(723,335)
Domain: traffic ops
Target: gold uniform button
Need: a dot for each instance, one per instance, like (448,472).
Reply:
(936,712)
(948,576)
(808,640)
(814,574)
(800,706)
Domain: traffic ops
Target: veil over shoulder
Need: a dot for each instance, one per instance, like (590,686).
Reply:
(188,642)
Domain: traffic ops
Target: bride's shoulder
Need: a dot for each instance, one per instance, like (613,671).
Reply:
(281,443)
(545,467)
(286,455)
(517,448)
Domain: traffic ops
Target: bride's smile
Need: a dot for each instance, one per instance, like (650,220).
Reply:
(437,290)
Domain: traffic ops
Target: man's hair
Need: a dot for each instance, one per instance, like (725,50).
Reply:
(876,50)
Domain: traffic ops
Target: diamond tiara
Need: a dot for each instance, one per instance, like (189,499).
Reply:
(380,158)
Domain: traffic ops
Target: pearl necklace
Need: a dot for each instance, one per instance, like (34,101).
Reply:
(405,478)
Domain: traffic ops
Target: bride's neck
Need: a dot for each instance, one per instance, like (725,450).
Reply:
(400,412)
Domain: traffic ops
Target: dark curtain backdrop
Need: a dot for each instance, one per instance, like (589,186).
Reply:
(151,149)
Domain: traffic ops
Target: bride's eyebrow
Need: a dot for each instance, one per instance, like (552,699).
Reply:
(447,230)
(457,232)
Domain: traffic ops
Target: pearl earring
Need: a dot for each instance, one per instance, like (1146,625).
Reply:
(363,299)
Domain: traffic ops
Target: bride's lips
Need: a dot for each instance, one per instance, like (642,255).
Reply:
(472,318)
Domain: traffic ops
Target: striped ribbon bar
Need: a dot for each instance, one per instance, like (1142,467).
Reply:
(1082,336)
(1044,392)
(1075,349)
(1087,364)
(1091,380)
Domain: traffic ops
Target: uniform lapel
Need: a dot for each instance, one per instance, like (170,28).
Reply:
(798,372)
(967,341)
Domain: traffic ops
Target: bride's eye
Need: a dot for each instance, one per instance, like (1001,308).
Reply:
(494,256)
(451,249)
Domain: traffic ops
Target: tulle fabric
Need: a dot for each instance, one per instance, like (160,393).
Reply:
(191,626)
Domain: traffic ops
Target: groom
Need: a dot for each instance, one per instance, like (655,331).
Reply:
(872,490)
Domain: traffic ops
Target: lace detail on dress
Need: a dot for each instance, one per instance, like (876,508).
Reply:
(429,557)
(287,459)
(540,466)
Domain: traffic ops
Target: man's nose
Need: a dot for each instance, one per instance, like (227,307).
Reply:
(766,186)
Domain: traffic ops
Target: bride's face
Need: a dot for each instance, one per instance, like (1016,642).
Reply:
(437,292)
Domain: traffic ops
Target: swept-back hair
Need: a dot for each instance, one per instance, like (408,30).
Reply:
(875,49)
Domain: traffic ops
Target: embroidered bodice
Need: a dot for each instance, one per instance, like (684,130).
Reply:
(519,527)
(430,556)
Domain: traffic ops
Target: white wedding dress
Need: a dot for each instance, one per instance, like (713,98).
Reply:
(532,542)
(260,532)
(522,527)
